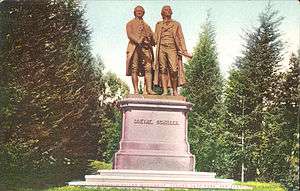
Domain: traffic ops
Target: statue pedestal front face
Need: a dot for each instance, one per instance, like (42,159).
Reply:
(154,135)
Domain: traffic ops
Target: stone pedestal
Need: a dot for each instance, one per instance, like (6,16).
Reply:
(154,150)
(154,135)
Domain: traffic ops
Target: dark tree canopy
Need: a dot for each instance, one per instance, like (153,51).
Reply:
(51,91)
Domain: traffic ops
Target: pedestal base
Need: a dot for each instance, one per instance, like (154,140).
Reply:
(154,151)
(156,179)
(154,162)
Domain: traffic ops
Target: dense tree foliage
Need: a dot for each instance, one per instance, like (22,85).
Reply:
(259,126)
(51,115)
(253,96)
(204,90)
(111,118)
(287,113)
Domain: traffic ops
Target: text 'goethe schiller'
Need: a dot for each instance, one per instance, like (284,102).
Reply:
(155,122)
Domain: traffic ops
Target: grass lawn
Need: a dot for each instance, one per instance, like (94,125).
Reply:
(257,186)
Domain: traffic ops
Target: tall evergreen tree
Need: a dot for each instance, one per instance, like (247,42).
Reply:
(288,115)
(204,90)
(51,92)
(251,96)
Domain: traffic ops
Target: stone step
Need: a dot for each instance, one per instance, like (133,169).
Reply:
(140,184)
(99,178)
(154,173)
(156,179)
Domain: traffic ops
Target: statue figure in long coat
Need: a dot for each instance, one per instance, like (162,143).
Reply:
(170,47)
(140,56)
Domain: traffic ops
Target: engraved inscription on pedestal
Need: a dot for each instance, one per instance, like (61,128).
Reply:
(163,126)
(156,122)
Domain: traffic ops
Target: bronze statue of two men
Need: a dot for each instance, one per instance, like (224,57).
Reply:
(166,69)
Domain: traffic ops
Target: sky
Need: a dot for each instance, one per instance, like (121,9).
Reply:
(107,20)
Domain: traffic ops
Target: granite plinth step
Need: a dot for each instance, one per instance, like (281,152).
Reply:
(156,179)
(154,173)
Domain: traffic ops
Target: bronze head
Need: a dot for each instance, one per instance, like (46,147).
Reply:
(166,11)
(139,11)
